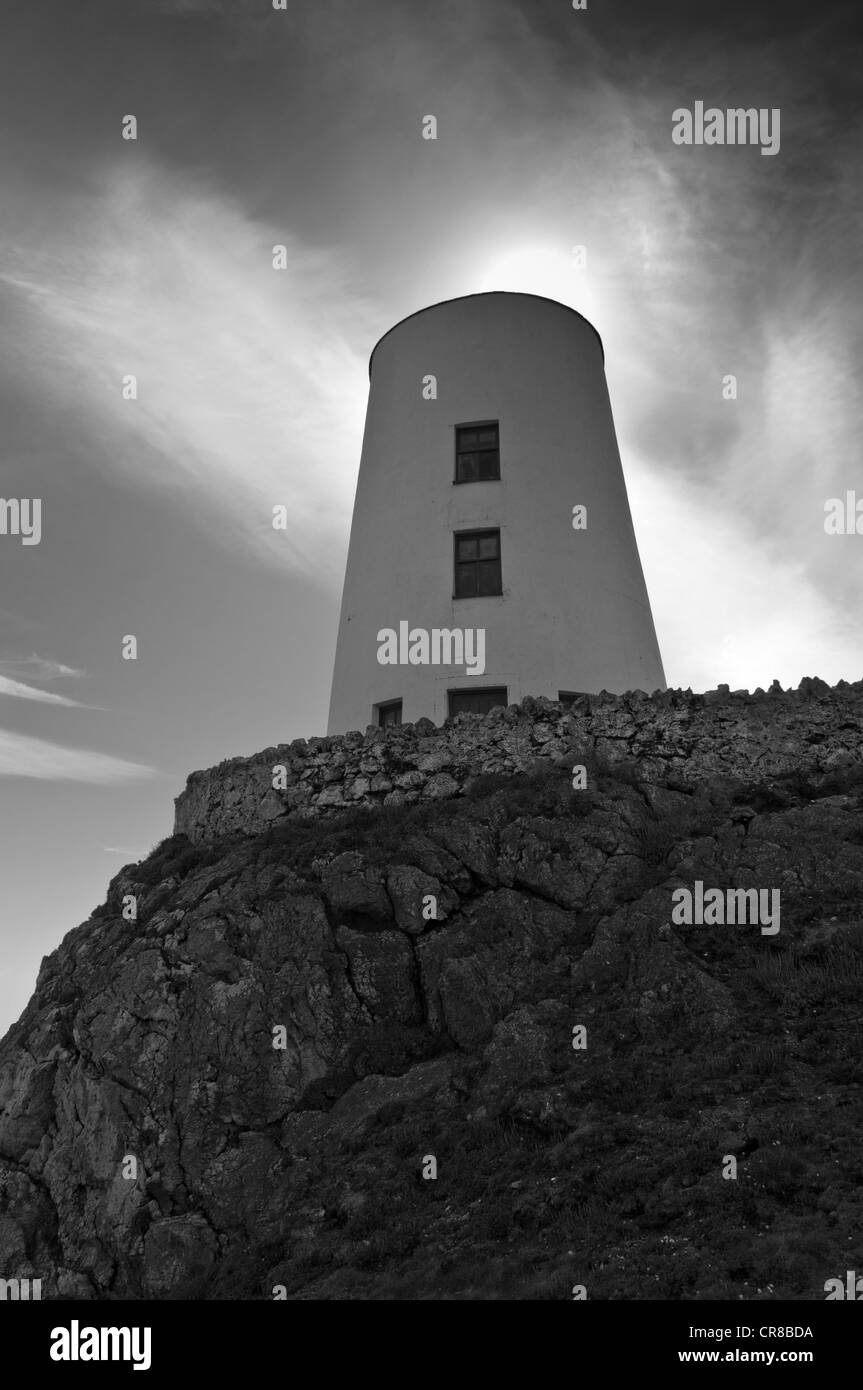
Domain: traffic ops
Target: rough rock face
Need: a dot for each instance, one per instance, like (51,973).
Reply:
(672,737)
(425,967)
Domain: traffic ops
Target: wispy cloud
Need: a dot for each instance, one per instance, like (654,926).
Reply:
(19,691)
(14,668)
(251,381)
(37,668)
(23,756)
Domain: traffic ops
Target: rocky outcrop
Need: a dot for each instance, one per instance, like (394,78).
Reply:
(672,737)
(458,1048)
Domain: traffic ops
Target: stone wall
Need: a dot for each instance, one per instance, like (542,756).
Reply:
(674,737)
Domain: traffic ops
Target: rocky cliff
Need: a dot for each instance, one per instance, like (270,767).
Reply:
(454,1045)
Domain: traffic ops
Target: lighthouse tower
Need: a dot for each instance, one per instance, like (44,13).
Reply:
(492,554)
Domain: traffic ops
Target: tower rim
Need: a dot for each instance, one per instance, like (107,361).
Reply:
(486,294)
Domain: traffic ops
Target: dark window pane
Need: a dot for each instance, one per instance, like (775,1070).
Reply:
(477,564)
(477,453)
(390,714)
(476,701)
(489,577)
(466,581)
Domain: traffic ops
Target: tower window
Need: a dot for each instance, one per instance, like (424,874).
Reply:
(476,701)
(566,697)
(389,713)
(477,453)
(477,564)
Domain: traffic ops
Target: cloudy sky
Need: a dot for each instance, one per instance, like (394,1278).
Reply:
(303,127)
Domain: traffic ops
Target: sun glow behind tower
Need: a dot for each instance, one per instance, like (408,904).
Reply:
(549,271)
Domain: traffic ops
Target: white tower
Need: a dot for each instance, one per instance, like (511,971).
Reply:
(471,581)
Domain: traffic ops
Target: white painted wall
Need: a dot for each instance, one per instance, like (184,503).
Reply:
(574,613)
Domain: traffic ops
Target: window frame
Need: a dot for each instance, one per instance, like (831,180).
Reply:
(483,690)
(476,452)
(382,706)
(478,535)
